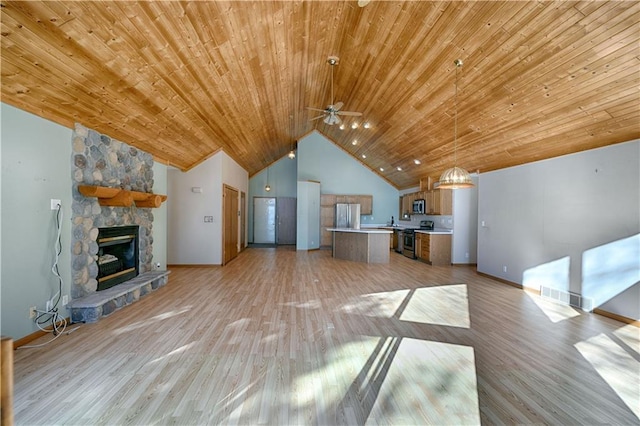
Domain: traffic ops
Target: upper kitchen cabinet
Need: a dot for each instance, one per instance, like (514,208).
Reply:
(366,204)
(365,201)
(439,202)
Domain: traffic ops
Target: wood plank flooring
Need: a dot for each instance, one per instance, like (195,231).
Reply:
(286,338)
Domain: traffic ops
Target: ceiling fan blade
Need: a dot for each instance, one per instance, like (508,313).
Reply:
(315,118)
(337,106)
(316,109)
(352,113)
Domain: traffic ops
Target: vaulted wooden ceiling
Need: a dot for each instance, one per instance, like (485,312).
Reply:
(182,80)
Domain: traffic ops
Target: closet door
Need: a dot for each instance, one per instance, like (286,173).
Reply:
(230,227)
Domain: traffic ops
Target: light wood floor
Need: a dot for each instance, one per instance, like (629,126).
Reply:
(285,338)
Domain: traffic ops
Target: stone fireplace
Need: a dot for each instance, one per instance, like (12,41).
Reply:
(102,161)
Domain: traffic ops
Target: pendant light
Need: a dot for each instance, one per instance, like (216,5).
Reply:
(292,153)
(456,177)
(267,187)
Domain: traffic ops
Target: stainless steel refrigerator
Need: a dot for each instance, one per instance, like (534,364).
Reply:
(348,216)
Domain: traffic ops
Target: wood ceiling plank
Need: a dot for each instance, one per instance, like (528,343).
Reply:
(190,78)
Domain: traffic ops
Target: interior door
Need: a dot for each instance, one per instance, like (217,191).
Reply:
(243,220)
(264,220)
(230,225)
(286,220)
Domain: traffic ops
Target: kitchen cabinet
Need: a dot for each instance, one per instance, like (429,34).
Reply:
(365,201)
(439,202)
(328,212)
(328,200)
(434,249)
(417,245)
(366,204)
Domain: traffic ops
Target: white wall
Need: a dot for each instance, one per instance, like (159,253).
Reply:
(160,217)
(547,221)
(191,240)
(339,173)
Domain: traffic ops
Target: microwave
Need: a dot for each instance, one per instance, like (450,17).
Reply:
(418,207)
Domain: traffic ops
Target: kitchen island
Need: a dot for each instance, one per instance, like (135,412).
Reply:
(361,245)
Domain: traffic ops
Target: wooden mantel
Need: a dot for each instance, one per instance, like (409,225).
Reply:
(116,197)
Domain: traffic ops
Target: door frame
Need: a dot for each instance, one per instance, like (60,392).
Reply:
(226,205)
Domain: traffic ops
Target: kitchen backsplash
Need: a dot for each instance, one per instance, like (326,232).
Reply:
(439,221)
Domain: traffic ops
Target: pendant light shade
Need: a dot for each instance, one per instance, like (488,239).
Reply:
(455,177)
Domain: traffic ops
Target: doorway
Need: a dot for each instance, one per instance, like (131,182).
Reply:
(243,220)
(230,225)
(264,220)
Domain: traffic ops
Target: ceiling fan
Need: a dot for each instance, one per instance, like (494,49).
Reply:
(331,113)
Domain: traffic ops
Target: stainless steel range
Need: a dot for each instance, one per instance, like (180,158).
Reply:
(408,243)
(409,238)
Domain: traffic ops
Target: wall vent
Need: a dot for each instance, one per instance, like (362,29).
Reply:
(567,298)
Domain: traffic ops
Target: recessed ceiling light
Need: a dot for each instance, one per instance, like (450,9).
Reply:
(399,169)
(342,126)
(364,155)
(355,142)
(416,161)
(381,169)
(354,126)
(366,125)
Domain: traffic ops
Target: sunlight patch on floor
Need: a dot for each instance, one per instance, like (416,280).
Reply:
(150,321)
(444,305)
(395,381)
(435,379)
(555,311)
(630,336)
(381,305)
(177,351)
(608,358)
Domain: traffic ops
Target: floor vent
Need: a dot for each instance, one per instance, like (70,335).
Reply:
(568,298)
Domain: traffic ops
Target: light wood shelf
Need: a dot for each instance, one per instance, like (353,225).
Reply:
(116,197)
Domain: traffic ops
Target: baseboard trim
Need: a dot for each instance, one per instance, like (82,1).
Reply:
(37,334)
(503,281)
(617,317)
(193,265)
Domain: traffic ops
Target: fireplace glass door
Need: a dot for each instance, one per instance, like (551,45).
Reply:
(117,255)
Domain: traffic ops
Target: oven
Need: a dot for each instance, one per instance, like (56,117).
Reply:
(408,243)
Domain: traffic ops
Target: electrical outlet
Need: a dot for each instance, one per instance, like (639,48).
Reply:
(48,305)
(504,269)
(55,203)
(65,300)
(32,312)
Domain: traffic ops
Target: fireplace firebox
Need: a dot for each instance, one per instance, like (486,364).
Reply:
(118,255)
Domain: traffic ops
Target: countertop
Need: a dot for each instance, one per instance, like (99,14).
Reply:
(416,229)
(361,230)
(435,231)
